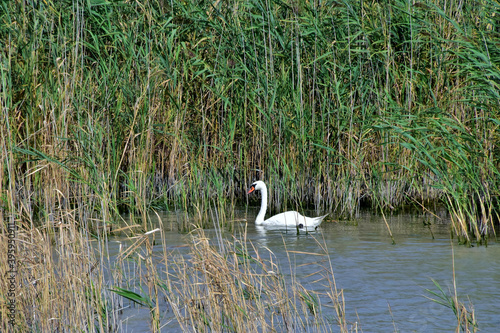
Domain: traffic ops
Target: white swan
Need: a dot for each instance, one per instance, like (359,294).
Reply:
(290,219)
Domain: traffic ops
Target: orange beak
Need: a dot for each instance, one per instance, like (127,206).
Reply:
(251,189)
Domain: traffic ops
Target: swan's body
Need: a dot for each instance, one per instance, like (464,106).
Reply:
(290,219)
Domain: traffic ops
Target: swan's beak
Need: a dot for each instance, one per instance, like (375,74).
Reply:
(251,189)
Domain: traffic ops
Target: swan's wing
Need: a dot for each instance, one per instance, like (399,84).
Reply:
(293,219)
(287,219)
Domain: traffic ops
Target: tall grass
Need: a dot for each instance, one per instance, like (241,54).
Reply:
(234,286)
(124,106)
(68,280)
(59,283)
(464,313)
(128,106)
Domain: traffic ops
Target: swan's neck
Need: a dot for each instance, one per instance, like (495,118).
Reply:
(263,207)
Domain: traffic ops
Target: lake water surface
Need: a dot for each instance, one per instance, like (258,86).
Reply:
(384,284)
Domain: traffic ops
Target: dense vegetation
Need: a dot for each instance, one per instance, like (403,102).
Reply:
(126,105)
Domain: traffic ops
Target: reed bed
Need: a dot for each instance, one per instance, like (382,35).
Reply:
(233,286)
(67,280)
(123,106)
(128,106)
(58,283)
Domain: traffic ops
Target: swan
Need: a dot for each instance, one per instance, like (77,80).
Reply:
(290,219)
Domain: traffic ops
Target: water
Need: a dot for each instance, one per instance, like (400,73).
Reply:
(384,284)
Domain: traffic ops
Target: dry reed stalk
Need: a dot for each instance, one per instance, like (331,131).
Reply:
(59,284)
(237,286)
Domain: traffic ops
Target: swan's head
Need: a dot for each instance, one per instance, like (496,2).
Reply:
(257,186)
